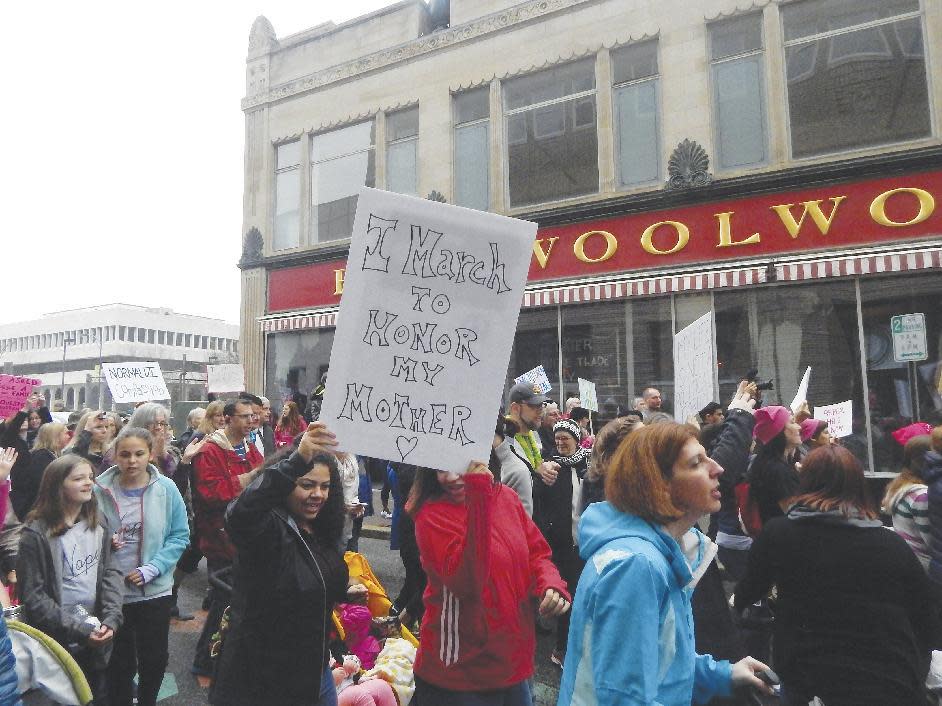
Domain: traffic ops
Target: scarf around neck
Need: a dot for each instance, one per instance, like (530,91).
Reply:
(831,517)
(579,458)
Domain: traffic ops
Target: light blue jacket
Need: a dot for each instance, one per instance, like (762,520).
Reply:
(166,532)
(631,640)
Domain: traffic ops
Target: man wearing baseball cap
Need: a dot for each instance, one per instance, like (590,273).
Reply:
(525,409)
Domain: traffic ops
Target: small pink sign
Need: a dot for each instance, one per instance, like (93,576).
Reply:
(14,389)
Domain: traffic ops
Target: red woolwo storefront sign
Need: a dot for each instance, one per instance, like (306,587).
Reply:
(824,218)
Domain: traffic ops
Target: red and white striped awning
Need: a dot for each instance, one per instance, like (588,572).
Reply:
(645,286)
(295,322)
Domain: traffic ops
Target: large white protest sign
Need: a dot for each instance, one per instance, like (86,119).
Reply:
(839,417)
(587,395)
(694,367)
(537,376)
(430,303)
(135,382)
(802,394)
(227,377)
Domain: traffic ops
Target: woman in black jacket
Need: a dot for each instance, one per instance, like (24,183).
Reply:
(855,622)
(50,441)
(288,575)
(555,513)
(773,476)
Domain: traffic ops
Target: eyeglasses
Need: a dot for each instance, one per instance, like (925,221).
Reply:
(160,425)
(247,415)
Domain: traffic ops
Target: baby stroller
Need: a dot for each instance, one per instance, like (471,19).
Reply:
(43,665)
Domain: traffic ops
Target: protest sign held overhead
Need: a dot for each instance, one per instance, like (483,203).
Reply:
(537,376)
(840,418)
(225,378)
(135,382)
(587,395)
(694,367)
(431,298)
(14,390)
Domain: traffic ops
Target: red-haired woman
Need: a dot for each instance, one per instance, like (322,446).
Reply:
(289,425)
(631,637)
(488,566)
(854,620)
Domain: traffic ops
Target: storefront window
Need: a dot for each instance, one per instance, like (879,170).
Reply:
(294,363)
(900,392)
(536,342)
(623,347)
(781,331)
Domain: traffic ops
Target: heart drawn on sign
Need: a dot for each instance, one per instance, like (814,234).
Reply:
(406,445)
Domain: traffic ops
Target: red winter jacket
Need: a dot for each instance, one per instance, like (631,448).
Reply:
(215,484)
(488,567)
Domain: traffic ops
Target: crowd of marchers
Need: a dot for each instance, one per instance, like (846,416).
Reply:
(736,556)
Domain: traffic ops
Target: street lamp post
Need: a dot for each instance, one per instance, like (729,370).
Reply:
(68,338)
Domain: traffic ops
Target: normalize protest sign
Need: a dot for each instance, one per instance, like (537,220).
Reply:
(135,382)
(14,390)
(429,308)
(694,367)
(226,377)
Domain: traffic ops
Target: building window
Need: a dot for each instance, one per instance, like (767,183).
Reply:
(900,393)
(402,151)
(287,196)
(472,148)
(341,162)
(550,129)
(856,74)
(635,78)
(738,105)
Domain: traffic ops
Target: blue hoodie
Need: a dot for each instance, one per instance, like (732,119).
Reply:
(631,640)
(166,531)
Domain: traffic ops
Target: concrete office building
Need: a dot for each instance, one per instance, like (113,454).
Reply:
(65,348)
(774,163)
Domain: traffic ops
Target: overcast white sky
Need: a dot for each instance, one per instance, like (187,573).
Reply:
(121,145)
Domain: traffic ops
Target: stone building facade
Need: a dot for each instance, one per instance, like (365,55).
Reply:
(774,163)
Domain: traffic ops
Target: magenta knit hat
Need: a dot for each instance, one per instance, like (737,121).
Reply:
(810,427)
(770,421)
(913,430)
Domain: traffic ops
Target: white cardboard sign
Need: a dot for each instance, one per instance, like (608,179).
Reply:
(694,367)
(840,418)
(431,298)
(537,376)
(227,377)
(587,395)
(802,393)
(135,382)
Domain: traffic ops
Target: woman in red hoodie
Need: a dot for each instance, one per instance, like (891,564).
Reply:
(489,569)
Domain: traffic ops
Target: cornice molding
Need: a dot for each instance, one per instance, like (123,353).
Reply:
(489,24)
(744,8)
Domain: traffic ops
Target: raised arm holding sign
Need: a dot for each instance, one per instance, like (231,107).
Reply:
(430,304)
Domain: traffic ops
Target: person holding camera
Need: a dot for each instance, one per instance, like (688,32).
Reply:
(91,440)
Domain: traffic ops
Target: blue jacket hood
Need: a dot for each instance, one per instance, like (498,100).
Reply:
(932,471)
(602,524)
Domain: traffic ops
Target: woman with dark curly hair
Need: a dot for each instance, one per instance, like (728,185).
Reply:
(287,576)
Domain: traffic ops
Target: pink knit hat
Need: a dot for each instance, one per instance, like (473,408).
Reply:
(810,427)
(908,432)
(770,421)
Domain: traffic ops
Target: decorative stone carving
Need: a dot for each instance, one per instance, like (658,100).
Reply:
(436,196)
(688,166)
(261,37)
(489,24)
(251,248)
